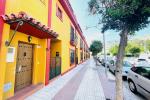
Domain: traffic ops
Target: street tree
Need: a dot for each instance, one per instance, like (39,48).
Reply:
(148,45)
(113,50)
(126,17)
(96,47)
(135,51)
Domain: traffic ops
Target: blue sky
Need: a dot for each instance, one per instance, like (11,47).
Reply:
(81,11)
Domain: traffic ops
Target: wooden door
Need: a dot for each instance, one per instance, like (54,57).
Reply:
(23,76)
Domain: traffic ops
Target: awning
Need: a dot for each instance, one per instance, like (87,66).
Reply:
(30,25)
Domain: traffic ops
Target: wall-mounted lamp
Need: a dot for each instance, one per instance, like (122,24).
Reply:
(29,38)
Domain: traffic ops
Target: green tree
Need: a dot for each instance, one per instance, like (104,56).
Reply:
(114,50)
(96,47)
(126,17)
(148,45)
(135,51)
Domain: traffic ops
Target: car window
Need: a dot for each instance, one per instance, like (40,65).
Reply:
(141,59)
(126,64)
(111,62)
(143,71)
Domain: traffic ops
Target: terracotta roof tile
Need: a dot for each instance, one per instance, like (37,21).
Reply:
(24,17)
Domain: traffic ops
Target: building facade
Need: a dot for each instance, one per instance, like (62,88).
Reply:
(38,43)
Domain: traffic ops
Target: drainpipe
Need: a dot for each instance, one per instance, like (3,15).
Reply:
(47,75)
(104,46)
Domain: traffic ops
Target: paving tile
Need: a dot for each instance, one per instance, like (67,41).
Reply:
(90,87)
(54,87)
(69,90)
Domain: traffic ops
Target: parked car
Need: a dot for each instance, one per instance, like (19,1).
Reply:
(139,80)
(143,57)
(126,67)
(108,59)
(132,60)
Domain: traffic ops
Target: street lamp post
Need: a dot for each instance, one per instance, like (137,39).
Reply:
(104,46)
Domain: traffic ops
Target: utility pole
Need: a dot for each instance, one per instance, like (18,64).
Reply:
(104,46)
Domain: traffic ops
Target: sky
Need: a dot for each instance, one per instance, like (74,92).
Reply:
(84,18)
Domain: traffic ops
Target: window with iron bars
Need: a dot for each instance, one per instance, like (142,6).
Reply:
(72,56)
(72,34)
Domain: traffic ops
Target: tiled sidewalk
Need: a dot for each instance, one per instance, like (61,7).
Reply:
(49,91)
(90,87)
(68,92)
(81,83)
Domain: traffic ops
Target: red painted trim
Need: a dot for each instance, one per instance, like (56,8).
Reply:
(68,70)
(48,44)
(50,13)
(2,12)
(26,92)
(53,79)
(47,62)
(72,68)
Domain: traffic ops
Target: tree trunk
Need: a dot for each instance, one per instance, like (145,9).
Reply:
(96,59)
(120,56)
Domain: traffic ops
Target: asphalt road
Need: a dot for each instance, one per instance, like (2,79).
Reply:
(128,94)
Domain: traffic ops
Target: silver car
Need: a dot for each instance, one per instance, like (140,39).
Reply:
(126,67)
(139,80)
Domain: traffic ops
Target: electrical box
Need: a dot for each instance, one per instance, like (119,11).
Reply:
(10,54)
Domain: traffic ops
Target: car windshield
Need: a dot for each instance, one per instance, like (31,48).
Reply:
(126,64)
(144,71)
(143,63)
(141,59)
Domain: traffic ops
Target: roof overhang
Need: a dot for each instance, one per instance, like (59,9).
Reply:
(30,26)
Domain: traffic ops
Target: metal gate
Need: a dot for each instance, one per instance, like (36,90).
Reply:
(23,76)
(55,67)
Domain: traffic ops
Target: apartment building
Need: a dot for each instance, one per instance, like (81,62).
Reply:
(39,40)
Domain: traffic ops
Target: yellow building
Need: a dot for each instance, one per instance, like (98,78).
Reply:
(70,35)
(31,53)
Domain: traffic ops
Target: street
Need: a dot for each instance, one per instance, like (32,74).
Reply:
(128,92)
(85,82)
(128,95)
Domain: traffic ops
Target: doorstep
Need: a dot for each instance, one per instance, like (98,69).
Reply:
(22,94)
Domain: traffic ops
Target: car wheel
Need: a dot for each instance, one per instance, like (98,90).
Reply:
(114,72)
(132,86)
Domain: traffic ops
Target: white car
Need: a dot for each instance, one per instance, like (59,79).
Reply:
(143,57)
(139,80)
(126,67)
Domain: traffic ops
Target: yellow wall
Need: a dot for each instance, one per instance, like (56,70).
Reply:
(63,29)
(3,52)
(39,61)
(39,11)
(34,8)
(78,48)
(55,47)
